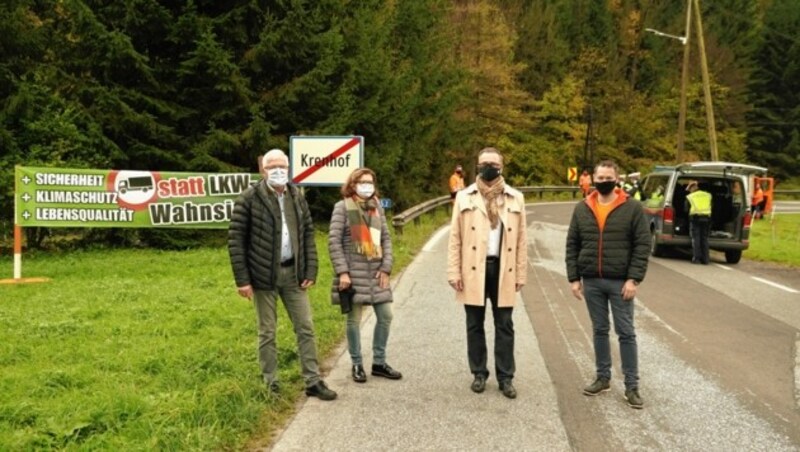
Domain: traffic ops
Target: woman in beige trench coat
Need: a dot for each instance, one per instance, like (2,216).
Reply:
(487,259)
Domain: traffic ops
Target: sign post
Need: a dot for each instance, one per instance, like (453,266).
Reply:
(324,161)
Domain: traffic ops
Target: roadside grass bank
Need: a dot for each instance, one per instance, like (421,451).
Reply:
(139,349)
(776,239)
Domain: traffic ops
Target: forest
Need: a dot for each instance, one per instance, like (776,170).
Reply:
(209,85)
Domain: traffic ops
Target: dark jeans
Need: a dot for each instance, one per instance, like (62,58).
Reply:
(504,366)
(699,228)
(600,294)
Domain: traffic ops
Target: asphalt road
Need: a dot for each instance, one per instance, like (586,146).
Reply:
(718,357)
(718,352)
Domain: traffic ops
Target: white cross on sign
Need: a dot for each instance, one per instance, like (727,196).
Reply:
(324,161)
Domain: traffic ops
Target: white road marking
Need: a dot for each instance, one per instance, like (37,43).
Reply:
(774,284)
(723,267)
(797,370)
(435,239)
(653,316)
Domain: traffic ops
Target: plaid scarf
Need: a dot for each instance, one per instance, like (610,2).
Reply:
(365,226)
(490,194)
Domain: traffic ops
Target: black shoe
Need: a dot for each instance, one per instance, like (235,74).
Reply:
(384,370)
(478,384)
(321,391)
(359,376)
(274,387)
(508,389)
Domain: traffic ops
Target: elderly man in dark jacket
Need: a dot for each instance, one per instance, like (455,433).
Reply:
(272,250)
(608,244)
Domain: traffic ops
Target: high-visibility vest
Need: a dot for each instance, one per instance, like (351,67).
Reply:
(700,203)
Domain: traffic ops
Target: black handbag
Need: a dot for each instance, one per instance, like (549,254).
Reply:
(346,299)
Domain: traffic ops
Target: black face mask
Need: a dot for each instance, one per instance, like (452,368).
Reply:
(488,172)
(605,187)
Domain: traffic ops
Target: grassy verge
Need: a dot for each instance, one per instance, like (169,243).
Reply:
(776,240)
(148,350)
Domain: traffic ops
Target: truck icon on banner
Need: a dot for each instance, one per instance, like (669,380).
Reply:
(141,183)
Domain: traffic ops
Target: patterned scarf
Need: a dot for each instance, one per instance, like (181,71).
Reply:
(490,194)
(365,226)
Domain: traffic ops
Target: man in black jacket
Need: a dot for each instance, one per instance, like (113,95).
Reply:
(608,244)
(272,250)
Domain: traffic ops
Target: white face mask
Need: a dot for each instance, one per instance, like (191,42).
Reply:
(277,177)
(365,190)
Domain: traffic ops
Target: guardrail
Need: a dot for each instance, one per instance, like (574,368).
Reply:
(413,213)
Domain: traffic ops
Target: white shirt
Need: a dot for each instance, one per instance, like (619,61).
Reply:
(286,239)
(494,240)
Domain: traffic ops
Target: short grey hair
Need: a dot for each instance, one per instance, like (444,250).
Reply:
(272,154)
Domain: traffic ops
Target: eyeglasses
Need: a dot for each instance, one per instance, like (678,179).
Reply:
(286,167)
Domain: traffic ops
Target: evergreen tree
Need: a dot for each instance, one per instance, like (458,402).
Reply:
(774,123)
(498,109)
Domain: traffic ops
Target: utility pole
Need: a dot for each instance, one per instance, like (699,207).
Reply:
(684,84)
(712,129)
(711,126)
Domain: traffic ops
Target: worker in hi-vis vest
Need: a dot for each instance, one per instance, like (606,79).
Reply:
(698,203)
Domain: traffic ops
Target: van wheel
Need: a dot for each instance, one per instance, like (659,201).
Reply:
(733,256)
(655,249)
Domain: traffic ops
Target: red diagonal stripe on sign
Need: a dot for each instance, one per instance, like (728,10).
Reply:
(311,170)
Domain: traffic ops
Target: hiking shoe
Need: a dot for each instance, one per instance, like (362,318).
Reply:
(633,398)
(600,385)
(478,384)
(359,376)
(320,390)
(386,371)
(508,389)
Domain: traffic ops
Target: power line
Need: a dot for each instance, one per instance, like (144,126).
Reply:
(743,18)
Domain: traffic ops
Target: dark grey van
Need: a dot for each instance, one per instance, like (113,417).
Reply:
(663,196)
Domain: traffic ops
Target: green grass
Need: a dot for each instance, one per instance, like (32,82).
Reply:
(149,350)
(776,240)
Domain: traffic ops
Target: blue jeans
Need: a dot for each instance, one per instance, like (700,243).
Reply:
(600,294)
(298,307)
(383,316)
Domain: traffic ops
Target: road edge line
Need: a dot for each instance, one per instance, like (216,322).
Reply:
(797,370)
